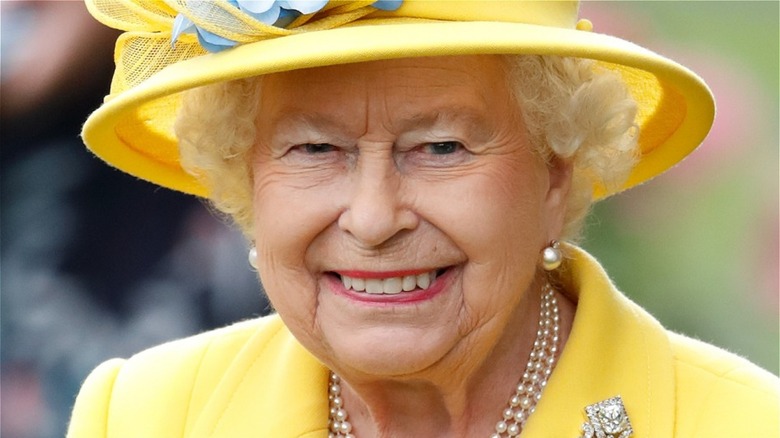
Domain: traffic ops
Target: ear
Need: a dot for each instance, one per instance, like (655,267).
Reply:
(560,174)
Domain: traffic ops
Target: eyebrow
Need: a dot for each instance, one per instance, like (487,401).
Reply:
(320,122)
(306,118)
(469,117)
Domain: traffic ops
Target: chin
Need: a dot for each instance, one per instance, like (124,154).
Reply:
(393,352)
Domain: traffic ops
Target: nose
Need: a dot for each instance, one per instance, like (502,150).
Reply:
(377,210)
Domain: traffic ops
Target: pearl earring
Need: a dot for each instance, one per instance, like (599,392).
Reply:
(551,256)
(252,257)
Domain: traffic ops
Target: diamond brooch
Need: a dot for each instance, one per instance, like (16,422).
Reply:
(607,419)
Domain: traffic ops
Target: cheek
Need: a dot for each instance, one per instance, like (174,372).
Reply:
(287,219)
(290,210)
(493,216)
(489,212)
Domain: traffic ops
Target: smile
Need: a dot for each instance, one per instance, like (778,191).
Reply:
(389,285)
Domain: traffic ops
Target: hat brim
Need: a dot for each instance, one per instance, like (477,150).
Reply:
(133,130)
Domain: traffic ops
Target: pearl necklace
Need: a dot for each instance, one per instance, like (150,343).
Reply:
(521,404)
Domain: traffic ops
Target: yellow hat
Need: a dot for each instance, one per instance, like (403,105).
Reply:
(133,129)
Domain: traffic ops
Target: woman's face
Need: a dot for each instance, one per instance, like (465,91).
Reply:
(399,210)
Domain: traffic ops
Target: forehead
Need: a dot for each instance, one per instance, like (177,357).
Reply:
(408,85)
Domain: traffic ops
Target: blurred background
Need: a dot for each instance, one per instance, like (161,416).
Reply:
(95,264)
(698,247)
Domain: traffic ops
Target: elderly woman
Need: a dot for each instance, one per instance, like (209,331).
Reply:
(410,175)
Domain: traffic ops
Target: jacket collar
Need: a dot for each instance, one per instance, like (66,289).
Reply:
(615,348)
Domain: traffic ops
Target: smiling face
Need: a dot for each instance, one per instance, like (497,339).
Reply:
(400,212)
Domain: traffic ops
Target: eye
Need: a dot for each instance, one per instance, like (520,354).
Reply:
(433,154)
(443,147)
(316,148)
(313,154)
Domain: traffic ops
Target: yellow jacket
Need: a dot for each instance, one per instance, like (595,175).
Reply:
(253,379)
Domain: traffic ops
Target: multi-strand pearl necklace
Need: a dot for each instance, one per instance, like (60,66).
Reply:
(526,394)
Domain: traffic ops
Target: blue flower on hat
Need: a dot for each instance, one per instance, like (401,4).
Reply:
(278,13)
(387,5)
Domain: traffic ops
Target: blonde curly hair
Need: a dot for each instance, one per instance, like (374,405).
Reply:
(571,107)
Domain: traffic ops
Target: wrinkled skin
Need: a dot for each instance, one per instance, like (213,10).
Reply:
(411,164)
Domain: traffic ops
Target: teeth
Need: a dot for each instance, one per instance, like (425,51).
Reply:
(389,286)
(423,280)
(358,284)
(392,285)
(374,286)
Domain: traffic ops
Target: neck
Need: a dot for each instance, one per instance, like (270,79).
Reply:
(456,397)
